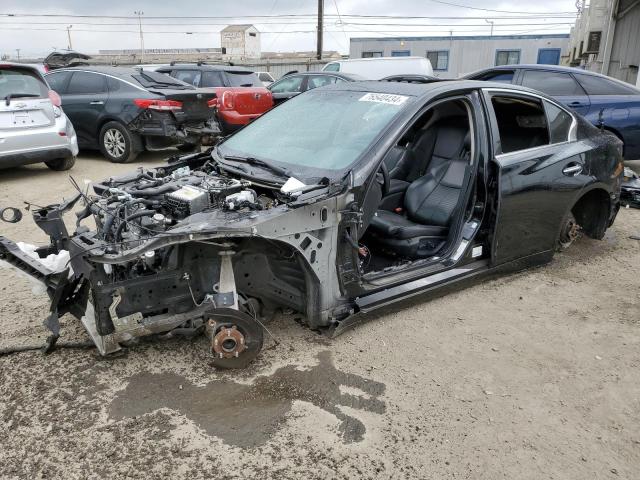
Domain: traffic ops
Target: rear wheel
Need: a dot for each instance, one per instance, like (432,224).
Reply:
(118,144)
(61,164)
(570,232)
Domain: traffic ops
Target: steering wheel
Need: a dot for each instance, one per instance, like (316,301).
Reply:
(386,180)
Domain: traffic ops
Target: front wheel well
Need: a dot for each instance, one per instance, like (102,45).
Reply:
(592,211)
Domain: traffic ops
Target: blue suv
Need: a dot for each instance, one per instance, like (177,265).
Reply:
(602,100)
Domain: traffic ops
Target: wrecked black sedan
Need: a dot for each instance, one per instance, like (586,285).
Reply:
(343,200)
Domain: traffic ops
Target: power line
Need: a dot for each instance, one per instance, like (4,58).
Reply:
(451,4)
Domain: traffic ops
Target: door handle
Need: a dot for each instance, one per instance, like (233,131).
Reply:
(96,102)
(572,169)
(576,103)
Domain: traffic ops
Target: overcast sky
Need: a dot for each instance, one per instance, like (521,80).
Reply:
(38,35)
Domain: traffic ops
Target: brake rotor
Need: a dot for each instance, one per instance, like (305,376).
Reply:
(236,337)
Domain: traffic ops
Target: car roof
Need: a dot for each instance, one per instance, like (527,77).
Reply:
(347,76)
(535,66)
(205,66)
(122,72)
(424,89)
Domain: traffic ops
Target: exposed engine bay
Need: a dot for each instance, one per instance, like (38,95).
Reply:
(186,248)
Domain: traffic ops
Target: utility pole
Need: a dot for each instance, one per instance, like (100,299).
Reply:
(18,52)
(320,28)
(491,22)
(139,14)
(69,36)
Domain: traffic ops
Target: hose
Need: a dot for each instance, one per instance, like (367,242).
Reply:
(28,348)
(140,214)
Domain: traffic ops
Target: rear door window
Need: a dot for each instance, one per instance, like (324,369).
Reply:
(603,86)
(191,77)
(552,83)
(212,79)
(287,85)
(559,123)
(85,83)
(21,81)
(58,81)
(243,79)
(522,122)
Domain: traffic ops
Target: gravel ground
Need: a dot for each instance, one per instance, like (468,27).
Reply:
(534,375)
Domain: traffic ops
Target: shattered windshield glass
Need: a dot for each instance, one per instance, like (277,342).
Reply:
(325,130)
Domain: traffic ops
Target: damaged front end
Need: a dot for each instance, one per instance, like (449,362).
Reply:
(189,248)
(630,188)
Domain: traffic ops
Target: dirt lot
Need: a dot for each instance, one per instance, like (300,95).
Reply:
(535,375)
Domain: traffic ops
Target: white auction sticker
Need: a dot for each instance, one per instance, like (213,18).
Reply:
(389,98)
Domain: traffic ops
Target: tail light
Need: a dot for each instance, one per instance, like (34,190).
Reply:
(162,105)
(213,103)
(55,98)
(227,100)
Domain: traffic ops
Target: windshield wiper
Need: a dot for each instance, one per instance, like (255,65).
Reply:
(20,95)
(260,163)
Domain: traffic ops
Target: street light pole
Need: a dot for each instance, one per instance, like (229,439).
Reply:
(18,52)
(69,36)
(139,14)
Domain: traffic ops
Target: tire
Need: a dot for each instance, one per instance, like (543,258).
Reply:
(118,144)
(61,164)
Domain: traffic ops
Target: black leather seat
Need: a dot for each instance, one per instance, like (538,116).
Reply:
(430,202)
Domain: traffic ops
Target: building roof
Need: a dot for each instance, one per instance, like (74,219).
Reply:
(460,37)
(237,28)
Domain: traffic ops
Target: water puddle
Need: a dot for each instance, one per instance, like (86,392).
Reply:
(249,415)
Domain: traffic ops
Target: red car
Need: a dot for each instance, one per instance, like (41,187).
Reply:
(240,94)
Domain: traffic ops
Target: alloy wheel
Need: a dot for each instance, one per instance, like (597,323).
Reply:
(114,142)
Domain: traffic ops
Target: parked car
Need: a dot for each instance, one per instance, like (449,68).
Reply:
(604,101)
(295,83)
(123,111)
(241,96)
(33,127)
(380,67)
(266,78)
(340,201)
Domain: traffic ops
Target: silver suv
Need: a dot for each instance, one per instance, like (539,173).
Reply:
(33,127)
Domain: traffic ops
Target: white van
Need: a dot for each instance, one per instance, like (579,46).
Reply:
(380,67)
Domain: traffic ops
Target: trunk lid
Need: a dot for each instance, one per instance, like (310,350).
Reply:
(195,105)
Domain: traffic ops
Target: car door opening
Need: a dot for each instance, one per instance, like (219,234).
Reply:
(424,196)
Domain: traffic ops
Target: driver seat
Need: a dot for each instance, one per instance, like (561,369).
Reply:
(430,205)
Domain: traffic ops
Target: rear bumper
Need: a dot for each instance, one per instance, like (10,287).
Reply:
(236,119)
(37,145)
(155,124)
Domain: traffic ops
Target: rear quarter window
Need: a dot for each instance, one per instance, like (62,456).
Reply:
(559,123)
(603,86)
(16,81)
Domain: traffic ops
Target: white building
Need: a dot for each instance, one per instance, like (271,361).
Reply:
(606,38)
(240,42)
(452,56)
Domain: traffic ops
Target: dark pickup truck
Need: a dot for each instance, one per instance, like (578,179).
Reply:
(241,97)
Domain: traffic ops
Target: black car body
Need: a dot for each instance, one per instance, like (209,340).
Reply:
(123,111)
(294,84)
(604,101)
(343,200)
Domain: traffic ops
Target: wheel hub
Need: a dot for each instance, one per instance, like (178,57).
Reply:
(228,342)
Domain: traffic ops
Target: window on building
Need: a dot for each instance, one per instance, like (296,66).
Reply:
(596,85)
(559,123)
(400,53)
(507,57)
(439,59)
(252,34)
(593,45)
(522,123)
(371,54)
(581,48)
(551,83)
